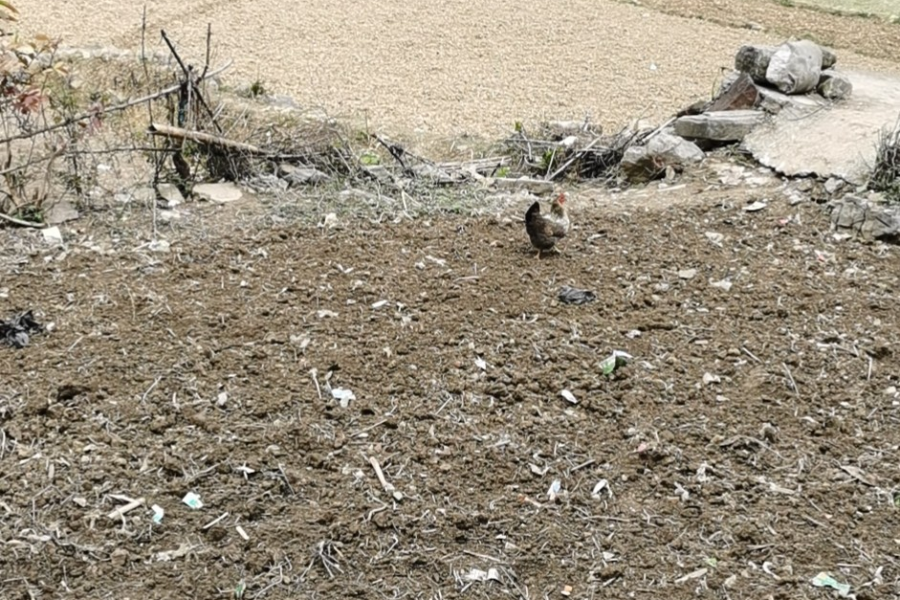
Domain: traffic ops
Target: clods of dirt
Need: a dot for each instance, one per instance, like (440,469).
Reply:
(749,445)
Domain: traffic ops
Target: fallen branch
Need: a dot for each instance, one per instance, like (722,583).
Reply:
(122,510)
(20,222)
(207,139)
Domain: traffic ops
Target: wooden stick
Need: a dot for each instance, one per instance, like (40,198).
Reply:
(215,521)
(388,486)
(122,510)
(203,138)
(20,222)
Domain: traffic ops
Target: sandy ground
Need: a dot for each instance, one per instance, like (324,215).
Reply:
(448,67)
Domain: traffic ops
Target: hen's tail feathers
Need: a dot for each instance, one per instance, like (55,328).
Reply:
(534,211)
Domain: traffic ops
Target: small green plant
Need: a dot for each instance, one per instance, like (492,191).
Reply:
(502,172)
(547,159)
(257,89)
(886,172)
(369,159)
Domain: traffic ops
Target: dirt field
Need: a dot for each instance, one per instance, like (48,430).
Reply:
(443,68)
(749,446)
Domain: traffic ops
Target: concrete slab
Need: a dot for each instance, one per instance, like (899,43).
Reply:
(832,141)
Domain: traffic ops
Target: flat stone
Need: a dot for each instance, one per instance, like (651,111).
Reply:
(722,126)
(839,142)
(295,175)
(641,164)
(218,192)
(61,212)
(774,102)
(171,194)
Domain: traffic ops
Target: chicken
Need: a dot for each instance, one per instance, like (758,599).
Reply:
(546,230)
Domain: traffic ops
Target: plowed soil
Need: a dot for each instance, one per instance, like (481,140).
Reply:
(751,444)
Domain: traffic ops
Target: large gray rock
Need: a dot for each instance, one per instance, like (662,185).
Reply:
(754,61)
(645,163)
(795,67)
(838,142)
(867,221)
(723,126)
(834,85)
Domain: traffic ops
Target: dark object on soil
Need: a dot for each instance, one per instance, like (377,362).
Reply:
(740,95)
(570,295)
(16,331)
(70,391)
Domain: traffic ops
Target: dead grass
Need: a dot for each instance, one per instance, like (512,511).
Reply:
(886,171)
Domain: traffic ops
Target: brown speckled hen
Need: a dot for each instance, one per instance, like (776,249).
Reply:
(545,230)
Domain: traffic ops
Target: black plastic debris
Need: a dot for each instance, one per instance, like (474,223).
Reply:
(570,295)
(17,331)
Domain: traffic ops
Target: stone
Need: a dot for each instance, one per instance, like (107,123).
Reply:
(867,222)
(834,85)
(61,212)
(754,61)
(829,58)
(295,175)
(266,183)
(722,126)
(641,164)
(171,194)
(795,67)
(740,95)
(219,193)
(838,142)
(833,185)
(774,102)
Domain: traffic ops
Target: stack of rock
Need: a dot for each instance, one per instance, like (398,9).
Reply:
(766,79)
(800,67)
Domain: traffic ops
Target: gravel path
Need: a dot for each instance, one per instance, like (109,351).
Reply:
(442,68)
